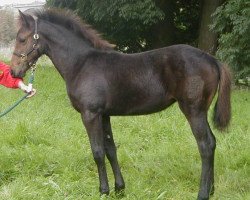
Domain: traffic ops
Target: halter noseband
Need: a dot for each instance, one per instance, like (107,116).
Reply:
(24,56)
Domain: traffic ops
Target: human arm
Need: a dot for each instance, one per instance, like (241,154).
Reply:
(8,81)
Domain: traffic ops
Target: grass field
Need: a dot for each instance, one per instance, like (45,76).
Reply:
(45,153)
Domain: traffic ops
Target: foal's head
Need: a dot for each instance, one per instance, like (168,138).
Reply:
(28,46)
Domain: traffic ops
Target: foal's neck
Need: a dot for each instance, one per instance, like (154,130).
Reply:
(65,49)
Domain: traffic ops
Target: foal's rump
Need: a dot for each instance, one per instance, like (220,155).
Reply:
(193,77)
(194,73)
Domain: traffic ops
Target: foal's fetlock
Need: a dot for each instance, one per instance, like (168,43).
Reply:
(119,187)
(200,197)
(205,195)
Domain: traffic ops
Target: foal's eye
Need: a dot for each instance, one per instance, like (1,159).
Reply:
(22,40)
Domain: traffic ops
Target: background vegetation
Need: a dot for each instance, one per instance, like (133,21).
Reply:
(232,23)
(45,153)
(140,25)
(7,27)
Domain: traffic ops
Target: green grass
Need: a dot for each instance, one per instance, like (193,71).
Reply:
(45,153)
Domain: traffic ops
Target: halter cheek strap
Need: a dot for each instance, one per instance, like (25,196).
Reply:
(24,56)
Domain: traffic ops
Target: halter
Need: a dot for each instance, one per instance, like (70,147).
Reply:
(24,56)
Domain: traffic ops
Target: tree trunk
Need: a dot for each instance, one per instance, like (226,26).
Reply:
(207,38)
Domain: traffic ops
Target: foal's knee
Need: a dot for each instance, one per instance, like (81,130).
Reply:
(98,155)
(110,152)
(110,148)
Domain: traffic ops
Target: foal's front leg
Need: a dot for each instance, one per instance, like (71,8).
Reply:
(93,124)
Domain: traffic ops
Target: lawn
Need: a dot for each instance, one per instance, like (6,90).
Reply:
(45,153)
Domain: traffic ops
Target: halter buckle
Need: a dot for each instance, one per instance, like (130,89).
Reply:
(36,36)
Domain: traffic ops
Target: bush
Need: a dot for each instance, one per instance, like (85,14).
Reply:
(231,21)
(7,27)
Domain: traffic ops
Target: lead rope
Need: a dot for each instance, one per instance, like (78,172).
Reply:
(30,83)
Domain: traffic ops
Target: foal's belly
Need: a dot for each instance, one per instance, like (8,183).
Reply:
(148,109)
(141,106)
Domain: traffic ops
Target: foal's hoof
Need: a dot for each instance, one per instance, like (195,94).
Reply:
(120,190)
(104,191)
(120,194)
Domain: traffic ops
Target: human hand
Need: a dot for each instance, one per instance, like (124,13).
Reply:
(27,89)
(31,93)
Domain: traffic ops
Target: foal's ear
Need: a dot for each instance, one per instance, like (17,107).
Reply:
(25,19)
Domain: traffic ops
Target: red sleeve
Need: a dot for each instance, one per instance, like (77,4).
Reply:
(5,77)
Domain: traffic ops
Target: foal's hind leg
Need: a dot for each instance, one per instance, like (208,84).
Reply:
(110,149)
(93,124)
(206,144)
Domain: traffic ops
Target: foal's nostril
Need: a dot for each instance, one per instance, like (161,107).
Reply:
(12,73)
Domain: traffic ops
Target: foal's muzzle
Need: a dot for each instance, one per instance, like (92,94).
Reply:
(19,74)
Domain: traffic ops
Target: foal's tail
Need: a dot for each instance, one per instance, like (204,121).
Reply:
(222,109)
